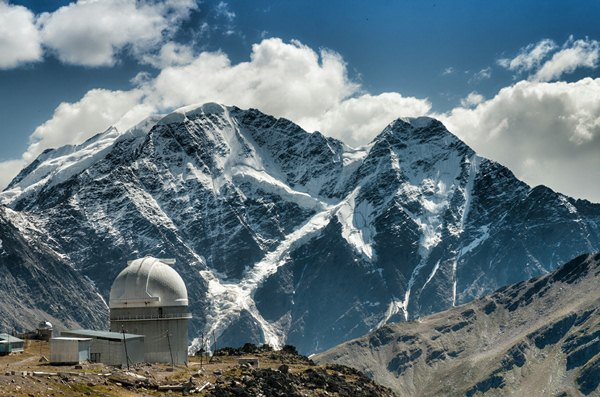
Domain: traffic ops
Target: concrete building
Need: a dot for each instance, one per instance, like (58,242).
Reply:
(150,298)
(112,348)
(68,350)
(10,344)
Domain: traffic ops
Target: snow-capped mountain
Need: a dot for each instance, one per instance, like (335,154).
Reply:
(286,236)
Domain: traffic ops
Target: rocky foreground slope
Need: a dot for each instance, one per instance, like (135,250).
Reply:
(284,236)
(536,338)
(278,374)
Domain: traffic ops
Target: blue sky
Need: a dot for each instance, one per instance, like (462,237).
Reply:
(517,80)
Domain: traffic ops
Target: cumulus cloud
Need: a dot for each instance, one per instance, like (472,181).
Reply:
(92,32)
(282,79)
(170,54)
(287,80)
(547,133)
(357,121)
(546,61)
(471,100)
(19,37)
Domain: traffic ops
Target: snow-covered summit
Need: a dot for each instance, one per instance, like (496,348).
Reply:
(55,166)
(418,130)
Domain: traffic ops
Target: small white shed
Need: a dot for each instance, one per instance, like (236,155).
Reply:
(112,348)
(67,350)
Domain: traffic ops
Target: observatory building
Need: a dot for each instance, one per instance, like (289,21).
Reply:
(150,298)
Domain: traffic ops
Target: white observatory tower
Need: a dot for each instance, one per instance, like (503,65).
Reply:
(150,298)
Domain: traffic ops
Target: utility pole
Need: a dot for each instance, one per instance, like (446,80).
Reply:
(125,344)
(170,351)
(215,345)
(201,349)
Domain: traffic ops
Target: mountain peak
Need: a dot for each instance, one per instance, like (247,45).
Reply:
(417,130)
(419,122)
(190,111)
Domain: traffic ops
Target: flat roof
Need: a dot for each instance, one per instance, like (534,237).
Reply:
(10,339)
(108,335)
(70,338)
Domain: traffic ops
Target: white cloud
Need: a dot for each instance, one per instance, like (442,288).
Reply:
(9,169)
(472,99)
(483,74)
(448,70)
(19,38)
(546,133)
(73,123)
(92,32)
(357,121)
(529,57)
(282,79)
(224,11)
(285,80)
(575,54)
(170,54)
(572,55)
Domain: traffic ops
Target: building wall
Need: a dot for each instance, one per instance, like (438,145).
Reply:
(113,352)
(11,347)
(17,346)
(64,351)
(165,331)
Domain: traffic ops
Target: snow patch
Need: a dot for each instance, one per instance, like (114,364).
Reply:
(357,224)
(230,298)
(394,307)
(570,207)
(433,272)
(266,183)
(484,234)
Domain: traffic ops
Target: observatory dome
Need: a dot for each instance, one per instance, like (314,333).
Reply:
(148,282)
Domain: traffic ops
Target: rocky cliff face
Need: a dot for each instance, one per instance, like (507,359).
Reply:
(536,337)
(284,236)
(38,283)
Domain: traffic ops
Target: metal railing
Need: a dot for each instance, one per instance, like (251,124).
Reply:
(168,316)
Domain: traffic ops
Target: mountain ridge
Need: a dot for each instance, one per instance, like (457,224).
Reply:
(536,337)
(267,221)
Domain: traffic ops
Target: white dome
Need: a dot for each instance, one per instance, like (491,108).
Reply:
(148,282)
